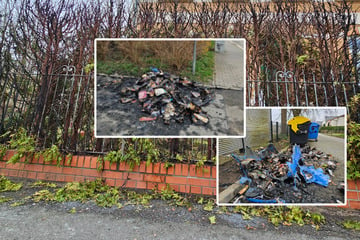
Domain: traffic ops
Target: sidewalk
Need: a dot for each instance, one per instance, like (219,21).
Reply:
(229,66)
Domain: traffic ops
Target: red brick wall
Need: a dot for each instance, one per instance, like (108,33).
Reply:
(353,194)
(182,177)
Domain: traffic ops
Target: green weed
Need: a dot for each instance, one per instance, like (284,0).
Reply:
(352,224)
(7,185)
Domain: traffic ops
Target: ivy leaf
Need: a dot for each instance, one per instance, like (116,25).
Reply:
(212,219)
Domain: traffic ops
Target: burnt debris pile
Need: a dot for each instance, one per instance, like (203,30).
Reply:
(168,97)
(294,176)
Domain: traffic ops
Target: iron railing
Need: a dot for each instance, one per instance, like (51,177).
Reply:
(63,115)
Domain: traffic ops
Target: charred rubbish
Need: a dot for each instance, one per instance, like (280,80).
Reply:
(298,175)
(168,97)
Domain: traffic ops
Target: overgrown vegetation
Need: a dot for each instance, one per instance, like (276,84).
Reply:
(282,215)
(106,196)
(24,144)
(7,185)
(353,139)
(136,57)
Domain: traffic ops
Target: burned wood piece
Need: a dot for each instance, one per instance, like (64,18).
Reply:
(274,177)
(169,97)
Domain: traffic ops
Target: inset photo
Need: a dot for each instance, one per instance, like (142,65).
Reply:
(169,87)
(292,156)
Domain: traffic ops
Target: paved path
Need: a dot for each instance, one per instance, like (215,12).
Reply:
(229,66)
(334,146)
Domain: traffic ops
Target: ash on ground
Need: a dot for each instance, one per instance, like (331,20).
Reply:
(158,104)
(299,175)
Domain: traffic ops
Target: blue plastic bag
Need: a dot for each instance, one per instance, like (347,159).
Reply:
(313,175)
(295,161)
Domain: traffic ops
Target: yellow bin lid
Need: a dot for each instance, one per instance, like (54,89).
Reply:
(295,121)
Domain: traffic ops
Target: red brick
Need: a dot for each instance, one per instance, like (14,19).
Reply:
(185,169)
(113,166)
(15,166)
(41,176)
(119,183)
(22,174)
(352,195)
(52,169)
(93,162)
(141,185)
(357,183)
(156,168)
(69,178)
(81,162)
(196,190)
(74,161)
(213,183)
(135,169)
(184,188)
(40,159)
(9,154)
(162,168)
(130,184)
(213,172)
(351,185)
(123,166)
(110,182)
(170,171)
(177,180)
(33,167)
(73,171)
(178,171)
(192,170)
(90,172)
(154,178)
(106,165)
(60,178)
(112,174)
(207,171)
(208,191)
(136,176)
(2,164)
(175,187)
(4,172)
(149,168)
(142,167)
(354,204)
(81,179)
(67,161)
(151,185)
(198,182)
(199,172)
(31,175)
(161,186)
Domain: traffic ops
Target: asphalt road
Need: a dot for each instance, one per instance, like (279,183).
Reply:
(159,221)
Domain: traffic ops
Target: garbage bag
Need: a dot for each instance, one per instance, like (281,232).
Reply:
(312,175)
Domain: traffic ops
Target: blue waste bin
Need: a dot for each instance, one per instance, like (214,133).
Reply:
(314,131)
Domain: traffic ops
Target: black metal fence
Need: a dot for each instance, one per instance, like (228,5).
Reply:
(64,116)
(284,88)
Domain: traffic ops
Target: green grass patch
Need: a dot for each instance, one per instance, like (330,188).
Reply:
(352,224)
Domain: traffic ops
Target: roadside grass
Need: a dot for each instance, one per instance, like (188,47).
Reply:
(204,71)
(107,196)
(352,224)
